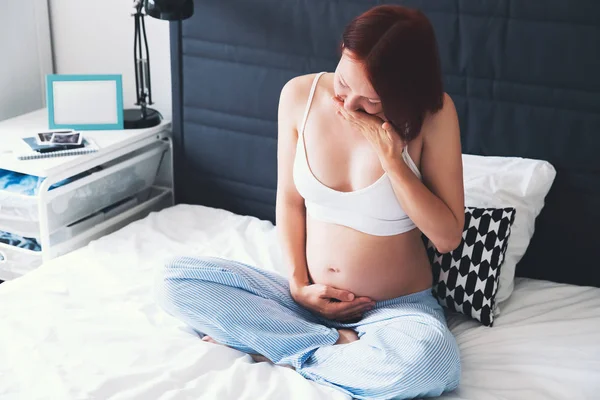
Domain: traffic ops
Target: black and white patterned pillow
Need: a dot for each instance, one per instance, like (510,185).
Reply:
(466,279)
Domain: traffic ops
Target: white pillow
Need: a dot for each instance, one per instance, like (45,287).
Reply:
(509,182)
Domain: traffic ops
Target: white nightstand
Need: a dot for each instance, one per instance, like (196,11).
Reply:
(130,176)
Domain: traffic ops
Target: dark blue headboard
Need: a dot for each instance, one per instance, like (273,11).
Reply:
(525,77)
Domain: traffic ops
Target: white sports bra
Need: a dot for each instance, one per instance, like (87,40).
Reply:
(374,210)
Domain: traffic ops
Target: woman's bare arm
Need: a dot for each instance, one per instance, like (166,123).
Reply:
(290,209)
(435,205)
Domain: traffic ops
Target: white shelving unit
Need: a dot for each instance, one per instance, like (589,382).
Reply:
(129,177)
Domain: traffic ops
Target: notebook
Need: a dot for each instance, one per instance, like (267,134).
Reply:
(33,152)
(47,148)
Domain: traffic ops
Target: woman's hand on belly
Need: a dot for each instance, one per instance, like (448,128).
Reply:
(332,303)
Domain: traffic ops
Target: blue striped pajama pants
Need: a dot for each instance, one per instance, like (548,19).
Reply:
(405,348)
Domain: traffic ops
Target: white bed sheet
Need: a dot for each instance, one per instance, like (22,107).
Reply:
(85,326)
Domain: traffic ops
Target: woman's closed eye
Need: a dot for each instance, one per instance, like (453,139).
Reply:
(373,106)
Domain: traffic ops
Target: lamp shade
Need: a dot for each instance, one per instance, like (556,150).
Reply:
(170,10)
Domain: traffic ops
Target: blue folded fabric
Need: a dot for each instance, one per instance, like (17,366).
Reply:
(19,183)
(19,241)
(29,185)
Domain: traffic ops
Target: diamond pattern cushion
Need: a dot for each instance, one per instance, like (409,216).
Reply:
(466,279)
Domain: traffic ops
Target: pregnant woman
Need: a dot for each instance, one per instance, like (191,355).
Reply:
(369,159)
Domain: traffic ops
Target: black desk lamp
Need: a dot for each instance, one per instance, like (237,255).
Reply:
(170,10)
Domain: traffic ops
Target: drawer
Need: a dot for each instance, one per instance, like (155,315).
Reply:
(82,197)
(15,261)
(149,200)
(72,230)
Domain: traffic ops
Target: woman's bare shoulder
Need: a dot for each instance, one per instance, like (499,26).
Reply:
(292,100)
(442,122)
(298,87)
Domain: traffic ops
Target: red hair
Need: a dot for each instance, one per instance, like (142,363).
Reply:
(398,48)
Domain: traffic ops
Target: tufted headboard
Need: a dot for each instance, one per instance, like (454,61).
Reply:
(524,75)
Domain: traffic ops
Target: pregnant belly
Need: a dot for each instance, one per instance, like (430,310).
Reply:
(379,267)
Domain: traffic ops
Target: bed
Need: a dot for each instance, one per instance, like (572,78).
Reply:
(71,331)
(523,77)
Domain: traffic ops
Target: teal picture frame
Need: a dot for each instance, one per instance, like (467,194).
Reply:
(51,79)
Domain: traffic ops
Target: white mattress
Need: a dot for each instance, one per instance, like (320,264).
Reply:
(85,326)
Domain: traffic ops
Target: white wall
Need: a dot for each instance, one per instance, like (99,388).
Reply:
(26,56)
(96,37)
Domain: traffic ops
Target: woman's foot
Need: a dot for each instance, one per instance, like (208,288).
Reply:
(255,357)
(208,339)
(346,336)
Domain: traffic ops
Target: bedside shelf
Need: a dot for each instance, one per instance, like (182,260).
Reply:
(129,177)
